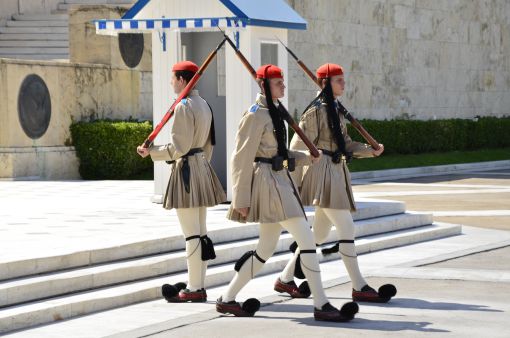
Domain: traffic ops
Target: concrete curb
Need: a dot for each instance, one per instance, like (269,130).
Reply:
(379,175)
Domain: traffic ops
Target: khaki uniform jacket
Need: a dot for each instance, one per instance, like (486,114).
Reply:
(191,129)
(326,184)
(269,194)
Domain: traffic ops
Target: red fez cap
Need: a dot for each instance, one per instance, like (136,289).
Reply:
(269,72)
(329,70)
(185,65)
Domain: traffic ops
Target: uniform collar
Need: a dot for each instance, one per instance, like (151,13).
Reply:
(262,101)
(193,92)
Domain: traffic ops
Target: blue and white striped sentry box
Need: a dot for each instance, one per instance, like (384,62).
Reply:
(113,27)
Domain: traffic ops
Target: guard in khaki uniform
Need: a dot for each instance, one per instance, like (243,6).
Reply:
(193,185)
(264,192)
(327,185)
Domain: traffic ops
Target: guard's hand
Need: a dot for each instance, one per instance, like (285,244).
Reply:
(378,152)
(142,151)
(243,211)
(316,159)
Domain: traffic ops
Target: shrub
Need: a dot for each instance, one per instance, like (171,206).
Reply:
(107,149)
(415,137)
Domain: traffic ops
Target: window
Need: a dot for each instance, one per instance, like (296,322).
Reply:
(220,63)
(268,53)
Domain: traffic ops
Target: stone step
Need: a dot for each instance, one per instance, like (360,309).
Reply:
(33,50)
(34,43)
(38,287)
(59,308)
(232,231)
(40,37)
(38,23)
(64,57)
(34,30)
(98,2)
(40,17)
(63,7)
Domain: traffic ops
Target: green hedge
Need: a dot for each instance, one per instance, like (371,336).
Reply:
(107,149)
(416,137)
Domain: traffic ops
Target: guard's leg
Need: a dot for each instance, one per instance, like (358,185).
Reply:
(189,220)
(301,232)
(321,226)
(299,229)
(285,283)
(203,232)
(247,267)
(346,232)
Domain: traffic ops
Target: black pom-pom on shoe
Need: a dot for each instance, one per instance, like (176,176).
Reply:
(180,286)
(387,291)
(349,309)
(169,291)
(251,305)
(304,289)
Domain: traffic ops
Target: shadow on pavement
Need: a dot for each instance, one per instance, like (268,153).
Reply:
(356,324)
(423,304)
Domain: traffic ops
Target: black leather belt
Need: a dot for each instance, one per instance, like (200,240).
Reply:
(264,160)
(278,163)
(185,166)
(336,156)
(191,152)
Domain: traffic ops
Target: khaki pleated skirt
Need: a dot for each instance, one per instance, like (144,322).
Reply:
(328,185)
(205,187)
(273,197)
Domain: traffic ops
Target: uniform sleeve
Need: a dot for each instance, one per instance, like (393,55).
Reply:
(182,136)
(208,148)
(248,139)
(358,149)
(309,126)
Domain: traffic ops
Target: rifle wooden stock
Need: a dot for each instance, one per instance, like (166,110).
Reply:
(362,131)
(241,57)
(313,149)
(355,123)
(182,95)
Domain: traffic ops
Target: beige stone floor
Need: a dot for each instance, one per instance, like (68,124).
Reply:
(490,208)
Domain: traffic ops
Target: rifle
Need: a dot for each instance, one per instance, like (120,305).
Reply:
(313,150)
(182,95)
(355,123)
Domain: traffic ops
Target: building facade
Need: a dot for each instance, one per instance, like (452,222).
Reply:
(418,59)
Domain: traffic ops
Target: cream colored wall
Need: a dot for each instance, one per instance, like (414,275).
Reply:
(421,59)
(88,47)
(10,7)
(78,92)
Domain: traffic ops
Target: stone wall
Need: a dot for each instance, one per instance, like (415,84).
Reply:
(85,46)
(10,7)
(420,59)
(77,92)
